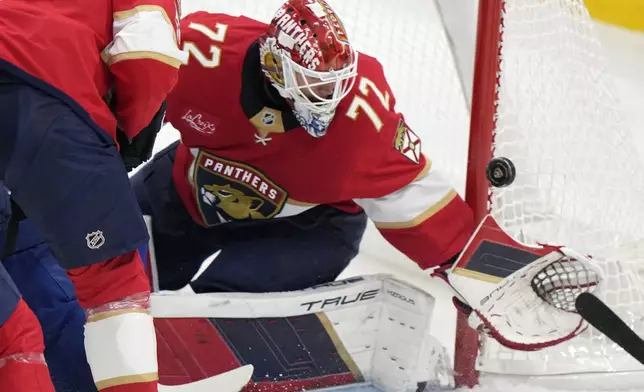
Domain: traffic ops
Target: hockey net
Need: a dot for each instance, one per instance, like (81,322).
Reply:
(543,98)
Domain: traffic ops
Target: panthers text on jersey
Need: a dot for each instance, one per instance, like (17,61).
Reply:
(240,159)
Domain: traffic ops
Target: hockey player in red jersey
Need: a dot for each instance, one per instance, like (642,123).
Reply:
(60,61)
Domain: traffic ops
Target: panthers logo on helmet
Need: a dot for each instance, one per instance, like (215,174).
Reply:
(229,190)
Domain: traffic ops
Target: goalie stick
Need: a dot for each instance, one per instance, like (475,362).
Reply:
(600,316)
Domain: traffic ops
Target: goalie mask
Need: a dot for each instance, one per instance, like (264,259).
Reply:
(307,57)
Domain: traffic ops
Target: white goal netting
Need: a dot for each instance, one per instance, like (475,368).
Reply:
(579,177)
(579,180)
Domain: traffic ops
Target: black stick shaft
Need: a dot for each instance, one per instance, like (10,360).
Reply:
(600,316)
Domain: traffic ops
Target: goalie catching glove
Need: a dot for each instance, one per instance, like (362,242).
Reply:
(524,297)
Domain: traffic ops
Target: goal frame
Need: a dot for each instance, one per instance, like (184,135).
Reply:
(487,63)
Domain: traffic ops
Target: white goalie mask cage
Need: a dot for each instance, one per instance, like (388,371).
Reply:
(317,91)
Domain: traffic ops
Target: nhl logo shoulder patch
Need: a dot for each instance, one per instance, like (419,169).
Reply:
(407,142)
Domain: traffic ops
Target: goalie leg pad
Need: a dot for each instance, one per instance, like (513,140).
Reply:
(372,329)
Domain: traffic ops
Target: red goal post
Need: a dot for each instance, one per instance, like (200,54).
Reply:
(484,97)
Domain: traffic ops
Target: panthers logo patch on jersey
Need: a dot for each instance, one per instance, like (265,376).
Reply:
(229,190)
(407,142)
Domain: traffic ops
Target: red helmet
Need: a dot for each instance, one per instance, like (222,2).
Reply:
(308,58)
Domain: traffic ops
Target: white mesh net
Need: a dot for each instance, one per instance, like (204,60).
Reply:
(578,181)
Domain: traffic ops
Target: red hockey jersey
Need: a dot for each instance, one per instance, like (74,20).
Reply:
(240,159)
(61,42)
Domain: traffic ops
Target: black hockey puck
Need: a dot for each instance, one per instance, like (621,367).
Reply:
(500,172)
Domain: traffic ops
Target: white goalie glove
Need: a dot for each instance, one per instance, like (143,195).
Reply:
(524,297)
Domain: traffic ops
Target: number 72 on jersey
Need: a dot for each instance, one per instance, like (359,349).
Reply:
(358,104)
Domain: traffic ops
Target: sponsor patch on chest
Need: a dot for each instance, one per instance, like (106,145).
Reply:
(201,122)
(228,190)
